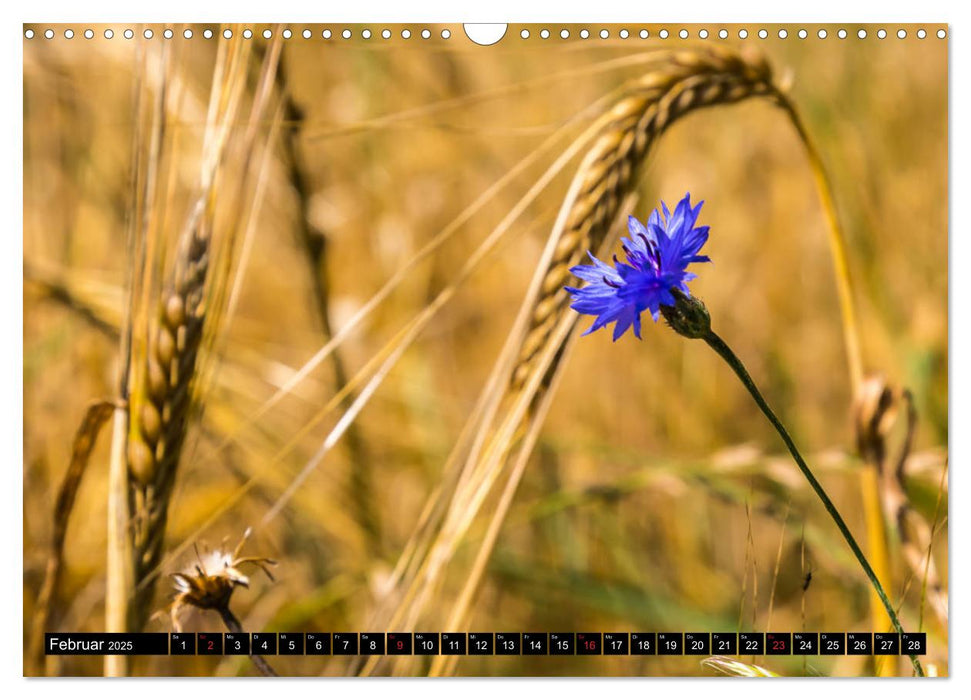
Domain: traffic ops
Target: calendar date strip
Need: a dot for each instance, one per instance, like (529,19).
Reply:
(486,643)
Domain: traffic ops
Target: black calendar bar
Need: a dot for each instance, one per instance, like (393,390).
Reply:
(488,643)
(914,643)
(751,643)
(482,643)
(832,643)
(345,643)
(264,643)
(859,643)
(670,643)
(643,643)
(886,644)
(372,643)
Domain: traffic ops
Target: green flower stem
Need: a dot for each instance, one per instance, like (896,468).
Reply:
(726,353)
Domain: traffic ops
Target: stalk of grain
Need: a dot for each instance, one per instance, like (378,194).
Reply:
(145,153)
(160,348)
(163,362)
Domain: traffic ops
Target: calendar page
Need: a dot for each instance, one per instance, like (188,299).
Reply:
(428,350)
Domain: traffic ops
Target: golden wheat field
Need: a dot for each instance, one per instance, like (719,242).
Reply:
(313,288)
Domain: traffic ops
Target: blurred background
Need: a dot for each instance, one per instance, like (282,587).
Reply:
(658,498)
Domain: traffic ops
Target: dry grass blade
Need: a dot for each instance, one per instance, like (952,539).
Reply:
(62,290)
(733,667)
(419,115)
(931,580)
(94,419)
(778,564)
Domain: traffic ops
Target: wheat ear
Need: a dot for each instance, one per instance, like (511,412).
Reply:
(692,80)
(161,400)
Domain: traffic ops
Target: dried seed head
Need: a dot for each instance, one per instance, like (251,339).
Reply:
(209,583)
(875,413)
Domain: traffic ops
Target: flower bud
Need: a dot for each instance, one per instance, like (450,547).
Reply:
(688,316)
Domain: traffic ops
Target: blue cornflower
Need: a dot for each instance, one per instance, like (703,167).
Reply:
(657,255)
